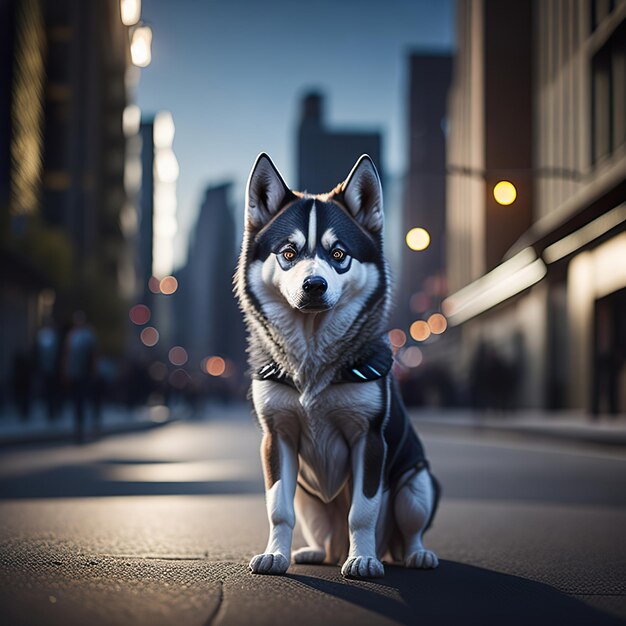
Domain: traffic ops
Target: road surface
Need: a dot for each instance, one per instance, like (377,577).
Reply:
(157,527)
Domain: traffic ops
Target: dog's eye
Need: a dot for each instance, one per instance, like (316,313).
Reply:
(338,254)
(288,254)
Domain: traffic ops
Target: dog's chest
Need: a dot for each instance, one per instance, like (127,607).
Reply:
(323,430)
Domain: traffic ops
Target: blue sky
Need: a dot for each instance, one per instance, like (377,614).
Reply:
(232,73)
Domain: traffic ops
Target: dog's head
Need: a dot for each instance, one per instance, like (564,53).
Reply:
(313,252)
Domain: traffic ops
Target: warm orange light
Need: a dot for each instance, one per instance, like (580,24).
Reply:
(419,330)
(504,192)
(397,338)
(215,366)
(418,239)
(178,355)
(149,336)
(168,285)
(437,323)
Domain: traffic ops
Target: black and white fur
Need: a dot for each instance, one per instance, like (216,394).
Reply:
(326,446)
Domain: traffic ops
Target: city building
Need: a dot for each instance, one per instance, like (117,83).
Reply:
(63,86)
(422,272)
(209,322)
(325,156)
(535,206)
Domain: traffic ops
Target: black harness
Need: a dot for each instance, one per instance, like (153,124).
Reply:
(374,364)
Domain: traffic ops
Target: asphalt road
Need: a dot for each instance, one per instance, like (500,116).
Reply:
(157,528)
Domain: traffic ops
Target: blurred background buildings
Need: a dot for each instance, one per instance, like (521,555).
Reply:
(537,281)
(64,90)
(325,155)
(505,223)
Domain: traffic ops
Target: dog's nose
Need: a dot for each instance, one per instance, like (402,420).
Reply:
(315,286)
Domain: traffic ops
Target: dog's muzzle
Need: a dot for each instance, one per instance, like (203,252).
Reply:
(314,288)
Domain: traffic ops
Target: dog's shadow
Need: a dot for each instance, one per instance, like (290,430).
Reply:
(454,593)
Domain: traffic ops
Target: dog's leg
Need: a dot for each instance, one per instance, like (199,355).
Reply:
(413,507)
(317,527)
(368,457)
(280,468)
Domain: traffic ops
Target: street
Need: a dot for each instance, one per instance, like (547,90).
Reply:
(157,527)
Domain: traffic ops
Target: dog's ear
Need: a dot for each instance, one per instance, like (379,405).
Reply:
(363,195)
(266,192)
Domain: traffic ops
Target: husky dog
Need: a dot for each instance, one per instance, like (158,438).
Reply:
(337,446)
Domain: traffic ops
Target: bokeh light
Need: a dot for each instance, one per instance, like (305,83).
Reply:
(168,285)
(411,356)
(419,330)
(397,338)
(215,366)
(178,355)
(418,239)
(153,284)
(130,11)
(141,46)
(149,336)
(437,323)
(504,192)
(139,314)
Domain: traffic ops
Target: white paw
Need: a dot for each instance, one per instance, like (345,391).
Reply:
(421,559)
(309,555)
(275,563)
(363,567)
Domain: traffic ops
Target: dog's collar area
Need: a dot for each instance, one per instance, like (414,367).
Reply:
(373,366)
(272,371)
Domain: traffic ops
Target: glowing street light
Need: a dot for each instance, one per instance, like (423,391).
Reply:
(437,323)
(419,330)
(141,46)
(130,11)
(397,337)
(504,192)
(418,239)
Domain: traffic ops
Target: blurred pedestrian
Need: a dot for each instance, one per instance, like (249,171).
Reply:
(47,361)
(22,383)
(80,359)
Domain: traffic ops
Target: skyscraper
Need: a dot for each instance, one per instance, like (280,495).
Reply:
(208,318)
(423,272)
(63,91)
(326,156)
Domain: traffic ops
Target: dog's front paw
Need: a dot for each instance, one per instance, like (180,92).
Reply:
(421,559)
(269,563)
(363,567)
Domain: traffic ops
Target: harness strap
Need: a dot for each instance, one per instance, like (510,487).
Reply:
(374,365)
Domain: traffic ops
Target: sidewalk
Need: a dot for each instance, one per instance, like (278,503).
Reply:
(565,425)
(14,431)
